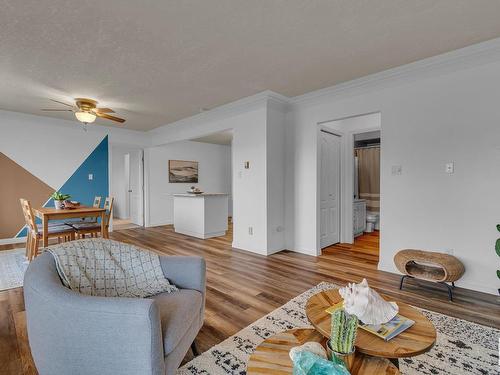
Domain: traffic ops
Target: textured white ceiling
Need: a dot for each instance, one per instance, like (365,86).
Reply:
(155,62)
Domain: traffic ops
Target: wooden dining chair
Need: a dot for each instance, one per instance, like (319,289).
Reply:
(94,228)
(97,202)
(62,232)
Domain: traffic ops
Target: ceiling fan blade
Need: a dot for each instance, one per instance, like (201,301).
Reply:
(109,117)
(104,110)
(56,110)
(57,101)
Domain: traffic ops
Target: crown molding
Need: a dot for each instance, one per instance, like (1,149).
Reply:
(470,56)
(227,110)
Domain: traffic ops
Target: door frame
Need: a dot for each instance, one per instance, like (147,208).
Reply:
(339,182)
(142,176)
(140,200)
(325,128)
(346,175)
(126,172)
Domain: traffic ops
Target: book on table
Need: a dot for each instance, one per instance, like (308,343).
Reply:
(386,331)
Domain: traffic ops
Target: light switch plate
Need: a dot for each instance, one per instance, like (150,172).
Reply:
(397,170)
(450,167)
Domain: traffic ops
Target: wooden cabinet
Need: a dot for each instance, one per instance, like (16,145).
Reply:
(359,217)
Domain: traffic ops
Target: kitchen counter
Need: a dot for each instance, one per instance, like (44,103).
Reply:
(201,215)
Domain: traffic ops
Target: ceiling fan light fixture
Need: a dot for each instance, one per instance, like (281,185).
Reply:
(85,117)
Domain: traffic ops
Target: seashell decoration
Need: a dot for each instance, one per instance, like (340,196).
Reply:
(311,346)
(366,304)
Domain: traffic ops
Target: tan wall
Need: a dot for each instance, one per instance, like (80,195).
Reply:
(16,182)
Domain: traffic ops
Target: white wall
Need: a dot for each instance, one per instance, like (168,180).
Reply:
(52,149)
(258,199)
(275,150)
(213,168)
(249,185)
(249,144)
(436,112)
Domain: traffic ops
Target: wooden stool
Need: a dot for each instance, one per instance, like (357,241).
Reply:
(430,266)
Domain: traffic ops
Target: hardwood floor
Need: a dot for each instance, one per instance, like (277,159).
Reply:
(242,287)
(120,224)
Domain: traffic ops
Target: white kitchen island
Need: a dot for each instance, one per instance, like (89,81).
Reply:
(201,215)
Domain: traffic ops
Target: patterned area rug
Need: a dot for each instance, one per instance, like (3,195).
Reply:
(461,348)
(12,268)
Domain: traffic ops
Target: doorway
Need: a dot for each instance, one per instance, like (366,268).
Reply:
(357,211)
(221,169)
(127,187)
(330,146)
(366,205)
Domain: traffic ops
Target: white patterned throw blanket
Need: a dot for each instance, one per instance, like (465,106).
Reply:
(107,268)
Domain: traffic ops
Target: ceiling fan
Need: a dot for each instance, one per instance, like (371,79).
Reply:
(86,111)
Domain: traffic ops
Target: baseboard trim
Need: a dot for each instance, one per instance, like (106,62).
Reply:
(203,236)
(11,241)
(159,224)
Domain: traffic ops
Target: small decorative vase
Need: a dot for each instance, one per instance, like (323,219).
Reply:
(346,358)
(58,204)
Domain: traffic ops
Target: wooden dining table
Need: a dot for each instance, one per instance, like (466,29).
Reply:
(49,213)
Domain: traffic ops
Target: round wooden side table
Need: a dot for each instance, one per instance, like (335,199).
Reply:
(271,356)
(416,340)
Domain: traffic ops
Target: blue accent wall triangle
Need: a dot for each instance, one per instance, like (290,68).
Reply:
(79,186)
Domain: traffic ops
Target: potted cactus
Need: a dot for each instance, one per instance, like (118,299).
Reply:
(343,335)
(497,249)
(59,198)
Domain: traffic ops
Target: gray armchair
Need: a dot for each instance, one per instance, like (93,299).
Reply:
(70,333)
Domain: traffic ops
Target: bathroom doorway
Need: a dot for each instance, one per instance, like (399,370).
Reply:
(359,185)
(366,204)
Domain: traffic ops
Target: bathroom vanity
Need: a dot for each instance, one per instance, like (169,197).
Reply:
(201,215)
(359,216)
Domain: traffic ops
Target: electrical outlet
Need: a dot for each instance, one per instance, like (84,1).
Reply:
(91,176)
(250,231)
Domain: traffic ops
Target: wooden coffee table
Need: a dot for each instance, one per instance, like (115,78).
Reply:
(416,340)
(271,356)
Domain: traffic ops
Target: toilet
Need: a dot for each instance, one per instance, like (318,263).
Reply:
(372,222)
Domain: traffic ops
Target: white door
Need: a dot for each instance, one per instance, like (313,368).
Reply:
(135,188)
(126,188)
(329,189)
